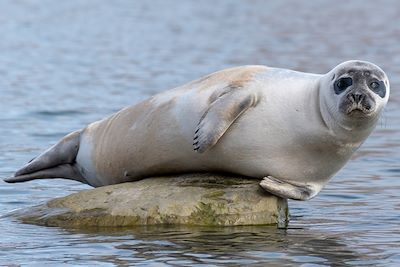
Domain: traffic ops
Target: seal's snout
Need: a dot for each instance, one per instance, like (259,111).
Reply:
(358,103)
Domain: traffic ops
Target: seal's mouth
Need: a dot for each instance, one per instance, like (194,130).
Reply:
(359,110)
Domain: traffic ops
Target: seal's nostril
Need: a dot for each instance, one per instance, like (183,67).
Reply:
(358,98)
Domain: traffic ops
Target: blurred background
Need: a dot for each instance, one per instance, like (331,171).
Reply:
(64,64)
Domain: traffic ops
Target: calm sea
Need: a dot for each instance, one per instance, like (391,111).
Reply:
(64,64)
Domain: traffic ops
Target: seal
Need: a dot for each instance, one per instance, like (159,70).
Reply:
(292,130)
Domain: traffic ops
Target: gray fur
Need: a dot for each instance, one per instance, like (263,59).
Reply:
(359,96)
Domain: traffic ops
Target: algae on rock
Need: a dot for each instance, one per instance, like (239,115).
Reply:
(191,199)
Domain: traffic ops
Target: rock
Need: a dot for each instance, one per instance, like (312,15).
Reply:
(195,199)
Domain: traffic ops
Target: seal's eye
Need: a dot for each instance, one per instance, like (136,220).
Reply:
(342,84)
(374,85)
(378,87)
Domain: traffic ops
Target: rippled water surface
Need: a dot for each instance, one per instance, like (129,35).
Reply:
(64,64)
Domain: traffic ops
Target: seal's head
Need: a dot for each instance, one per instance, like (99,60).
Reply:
(354,94)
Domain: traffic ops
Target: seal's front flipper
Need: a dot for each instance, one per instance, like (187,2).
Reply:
(287,190)
(231,102)
(62,171)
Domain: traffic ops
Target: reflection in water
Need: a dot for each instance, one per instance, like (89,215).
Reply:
(228,245)
(64,64)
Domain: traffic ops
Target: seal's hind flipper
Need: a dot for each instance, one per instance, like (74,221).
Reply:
(222,112)
(64,152)
(67,171)
(287,190)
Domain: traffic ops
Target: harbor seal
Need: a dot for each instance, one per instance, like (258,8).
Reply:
(292,130)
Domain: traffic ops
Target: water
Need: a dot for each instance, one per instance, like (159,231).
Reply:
(64,64)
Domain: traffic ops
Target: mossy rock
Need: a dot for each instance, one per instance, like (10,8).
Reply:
(195,199)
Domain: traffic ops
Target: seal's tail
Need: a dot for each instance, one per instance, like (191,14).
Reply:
(55,162)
